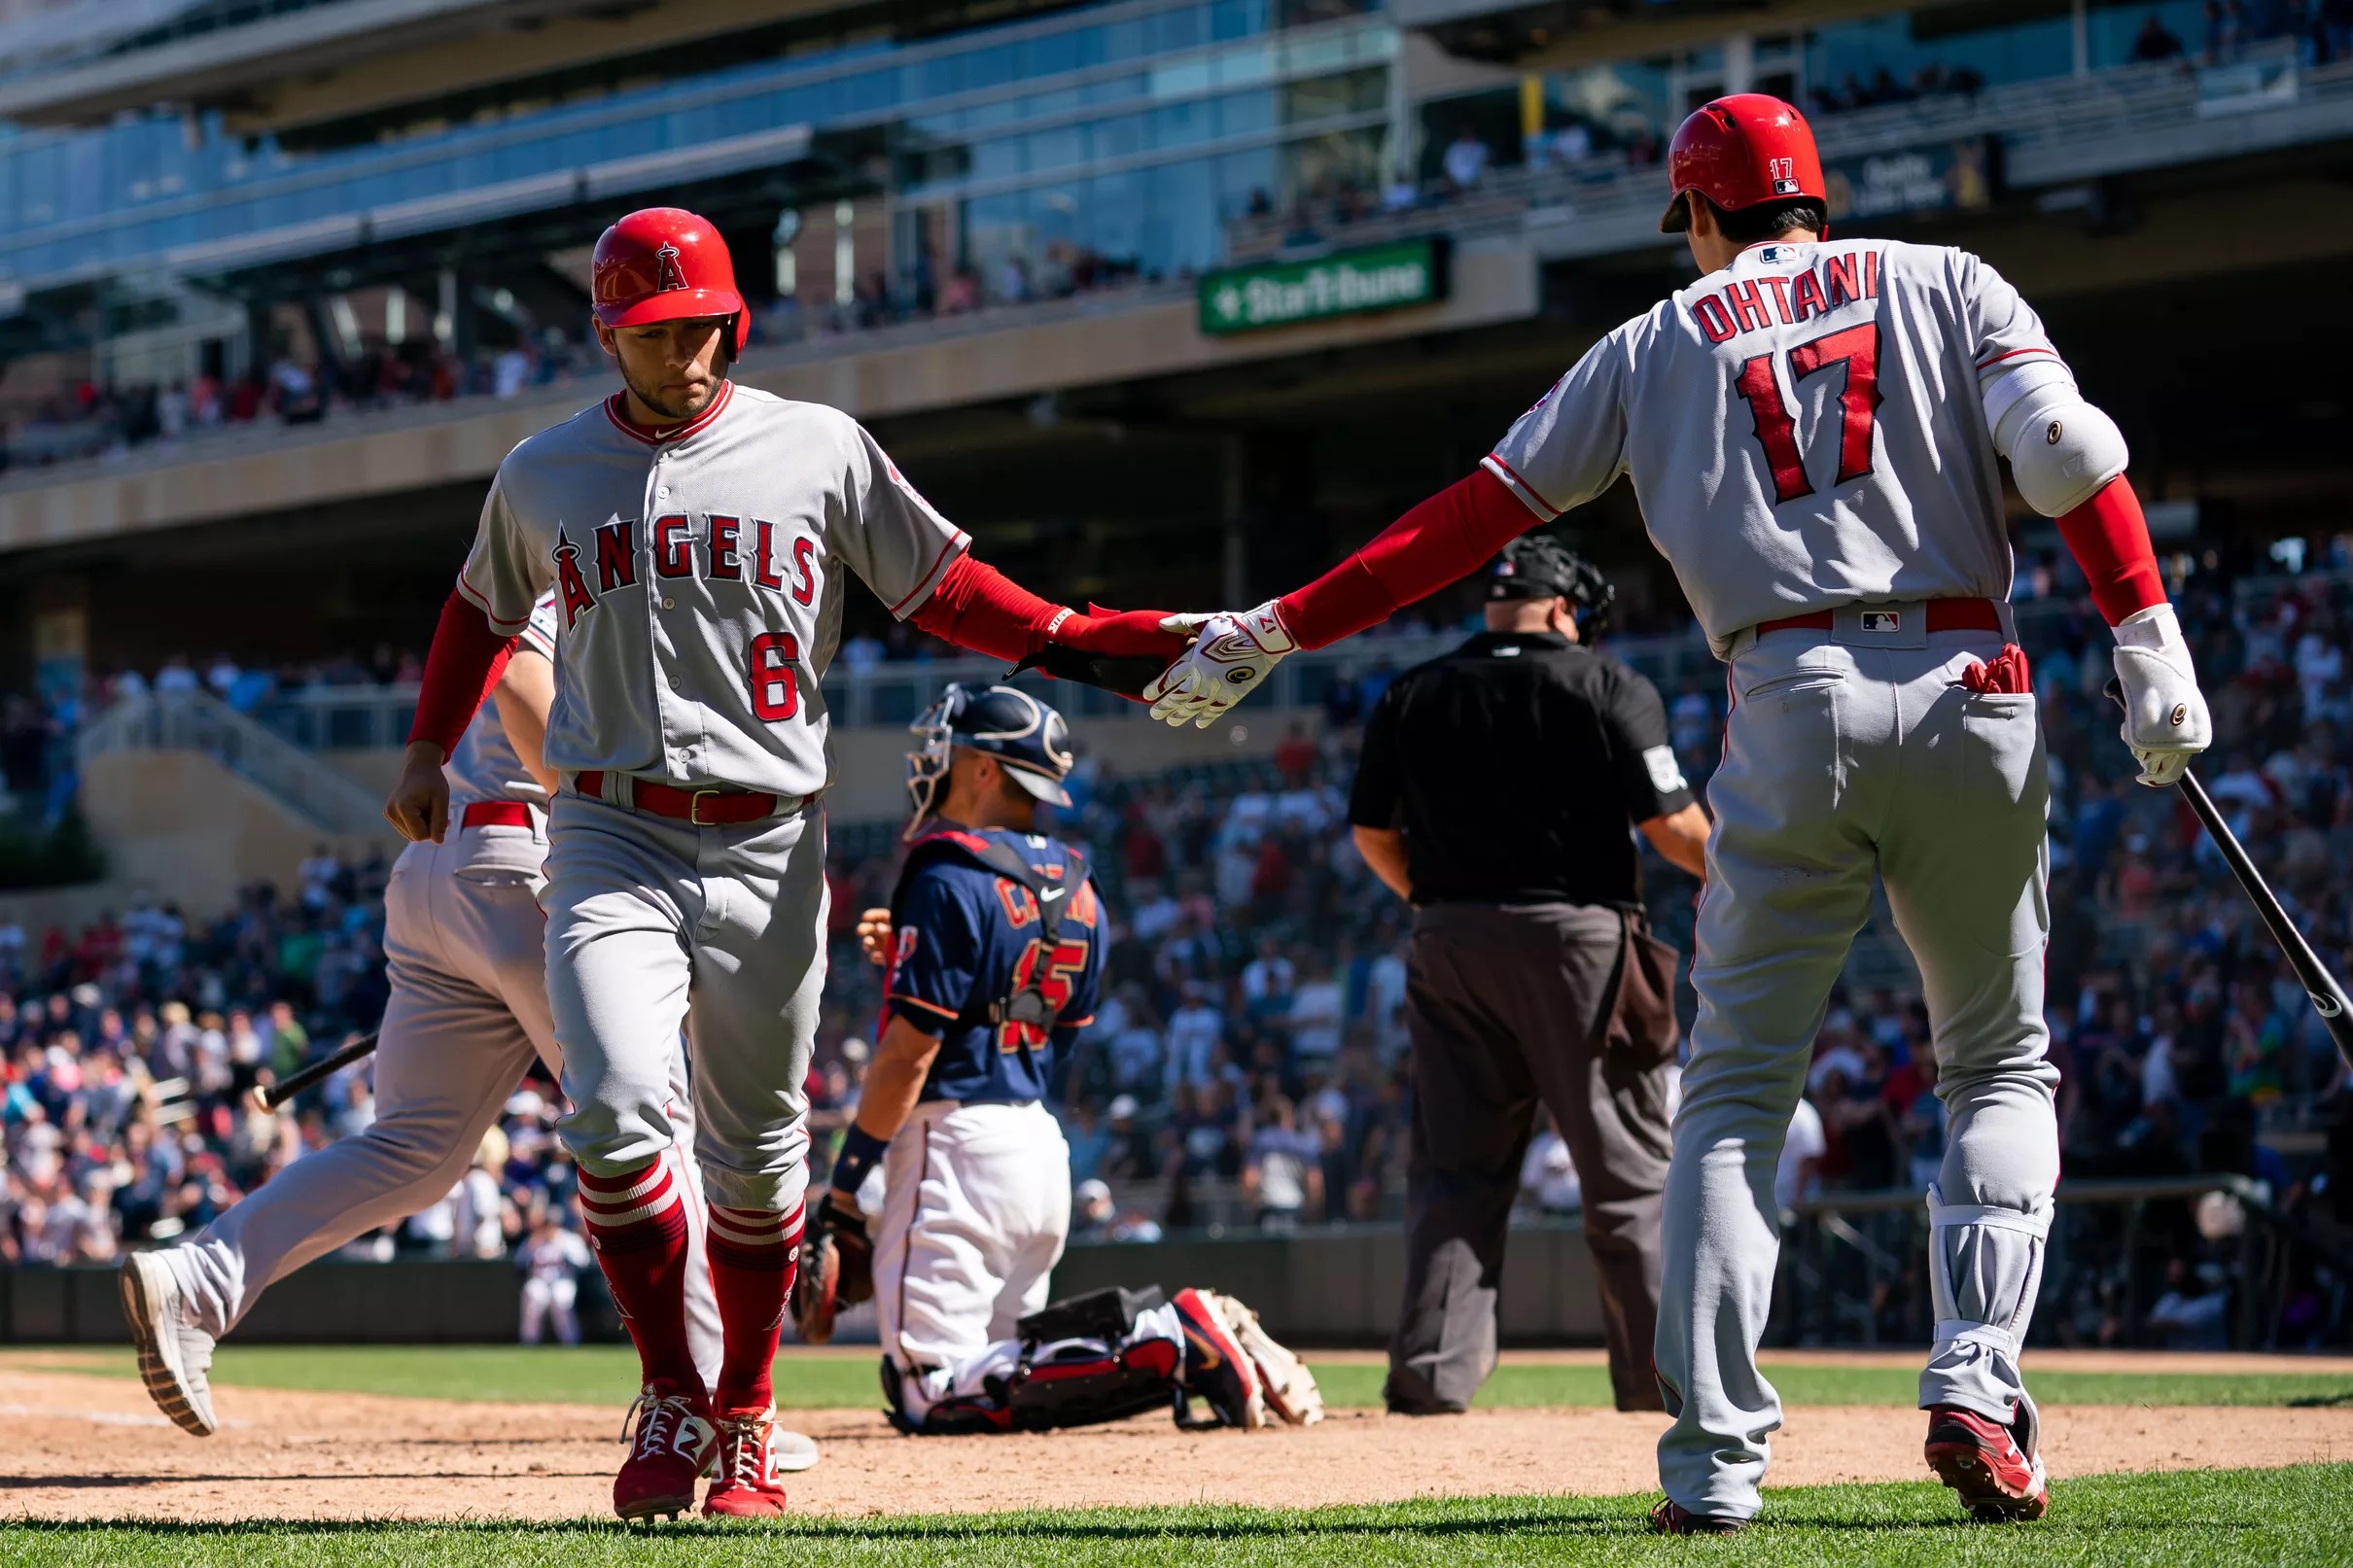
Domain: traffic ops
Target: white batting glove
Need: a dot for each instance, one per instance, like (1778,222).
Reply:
(2165,717)
(1229,659)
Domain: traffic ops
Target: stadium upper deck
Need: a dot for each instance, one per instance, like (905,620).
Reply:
(303,192)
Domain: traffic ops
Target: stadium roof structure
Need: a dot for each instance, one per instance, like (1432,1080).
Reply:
(274,65)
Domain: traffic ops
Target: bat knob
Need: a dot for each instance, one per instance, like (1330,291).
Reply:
(258,1098)
(2113,691)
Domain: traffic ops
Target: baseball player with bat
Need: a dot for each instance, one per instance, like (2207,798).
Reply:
(463,935)
(1813,430)
(701,538)
(993,943)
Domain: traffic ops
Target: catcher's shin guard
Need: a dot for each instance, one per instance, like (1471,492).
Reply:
(1081,1383)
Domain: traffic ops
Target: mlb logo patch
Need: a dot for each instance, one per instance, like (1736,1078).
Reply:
(1883,621)
(1786,187)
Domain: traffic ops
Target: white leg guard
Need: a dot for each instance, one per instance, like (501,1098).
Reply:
(1984,1270)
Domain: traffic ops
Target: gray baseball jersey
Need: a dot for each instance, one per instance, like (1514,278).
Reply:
(699,579)
(484,766)
(1804,429)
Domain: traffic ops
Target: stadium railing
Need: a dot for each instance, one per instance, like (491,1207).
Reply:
(198,721)
(1845,1256)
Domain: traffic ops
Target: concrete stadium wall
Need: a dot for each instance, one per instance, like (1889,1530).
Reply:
(1321,1288)
(187,829)
(870,764)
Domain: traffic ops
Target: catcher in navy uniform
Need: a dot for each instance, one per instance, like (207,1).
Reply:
(994,942)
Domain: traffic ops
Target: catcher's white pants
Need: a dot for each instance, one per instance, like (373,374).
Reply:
(1848,753)
(545,1299)
(976,1205)
(463,940)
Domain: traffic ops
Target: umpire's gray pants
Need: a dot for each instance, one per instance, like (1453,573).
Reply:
(1845,755)
(1506,1005)
(652,924)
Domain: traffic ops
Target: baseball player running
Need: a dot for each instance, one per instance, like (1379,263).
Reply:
(700,538)
(469,1010)
(994,942)
(1813,429)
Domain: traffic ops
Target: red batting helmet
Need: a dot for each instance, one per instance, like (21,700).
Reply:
(1741,151)
(664,264)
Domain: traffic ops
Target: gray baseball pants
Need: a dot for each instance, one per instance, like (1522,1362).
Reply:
(1849,753)
(655,925)
(464,943)
(1508,1006)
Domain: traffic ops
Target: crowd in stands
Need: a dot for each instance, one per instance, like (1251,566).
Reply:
(92,419)
(1246,1066)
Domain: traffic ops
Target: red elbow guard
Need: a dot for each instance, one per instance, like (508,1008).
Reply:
(463,665)
(2109,540)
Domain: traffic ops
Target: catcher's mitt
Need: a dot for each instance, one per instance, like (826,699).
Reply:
(836,1268)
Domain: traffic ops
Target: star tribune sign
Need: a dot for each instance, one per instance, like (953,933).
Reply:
(1346,283)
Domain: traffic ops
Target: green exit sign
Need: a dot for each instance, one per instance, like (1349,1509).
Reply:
(1345,283)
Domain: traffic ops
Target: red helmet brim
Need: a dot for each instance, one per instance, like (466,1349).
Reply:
(680,305)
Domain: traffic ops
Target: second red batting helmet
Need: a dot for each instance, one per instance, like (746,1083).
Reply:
(1739,151)
(665,263)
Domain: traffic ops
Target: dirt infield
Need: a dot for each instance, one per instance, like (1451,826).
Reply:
(81,1448)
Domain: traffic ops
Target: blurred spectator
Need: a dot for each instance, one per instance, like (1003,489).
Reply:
(2155,42)
(552,1258)
(1284,1174)
(1465,161)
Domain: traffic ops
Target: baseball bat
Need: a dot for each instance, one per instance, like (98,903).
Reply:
(269,1098)
(2329,997)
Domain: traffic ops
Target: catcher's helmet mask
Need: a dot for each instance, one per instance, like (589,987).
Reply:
(1028,739)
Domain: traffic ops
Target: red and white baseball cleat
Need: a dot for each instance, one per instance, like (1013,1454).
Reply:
(744,1485)
(1981,1460)
(1217,1368)
(674,1447)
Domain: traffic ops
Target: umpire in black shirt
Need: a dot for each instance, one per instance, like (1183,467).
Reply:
(1500,792)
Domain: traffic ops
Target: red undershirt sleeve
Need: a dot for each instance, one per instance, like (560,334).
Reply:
(2109,539)
(1442,541)
(978,607)
(463,665)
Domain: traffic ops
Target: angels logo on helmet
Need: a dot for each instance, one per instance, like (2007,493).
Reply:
(670,274)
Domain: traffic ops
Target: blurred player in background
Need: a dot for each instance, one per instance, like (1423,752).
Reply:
(995,942)
(463,940)
(1813,430)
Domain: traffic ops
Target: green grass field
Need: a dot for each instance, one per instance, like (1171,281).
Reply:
(606,1375)
(2298,1515)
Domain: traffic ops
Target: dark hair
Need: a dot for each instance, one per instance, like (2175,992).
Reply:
(1770,219)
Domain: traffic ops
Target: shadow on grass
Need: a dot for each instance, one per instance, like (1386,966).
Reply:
(1571,1522)
(2322,1401)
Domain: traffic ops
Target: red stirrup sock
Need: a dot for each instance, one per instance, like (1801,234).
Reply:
(637,1226)
(753,1255)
